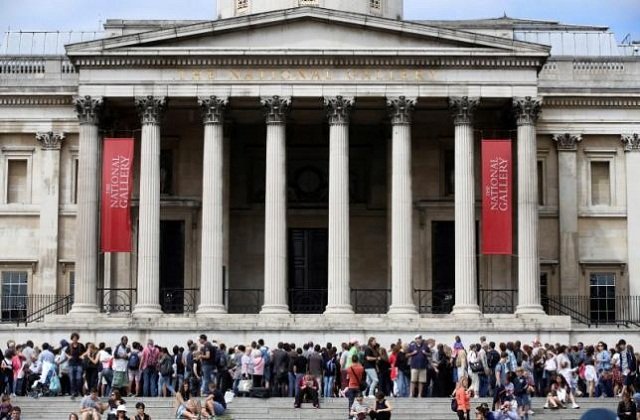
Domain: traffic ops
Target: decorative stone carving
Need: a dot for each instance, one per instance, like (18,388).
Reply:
(50,140)
(631,142)
(88,109)
(338,109)
(213,109)
(463,108)
(276,109)
(527,110)
(151,109)
(567,142)
(401,109)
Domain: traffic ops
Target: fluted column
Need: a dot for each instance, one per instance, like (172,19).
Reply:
(401,112)
(88,110)
(151,110)
(527,111)
(49,204)
(339,299)
(275,208)
(211,279)
(567,145)
(632,155)
(465,219)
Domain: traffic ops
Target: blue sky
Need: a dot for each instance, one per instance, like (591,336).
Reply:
(622,16)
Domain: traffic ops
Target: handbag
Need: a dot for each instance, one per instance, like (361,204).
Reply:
(229,396)
(454,405)
(361,384)
(245,385)
(476,367)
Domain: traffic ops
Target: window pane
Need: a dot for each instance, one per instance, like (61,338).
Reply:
(17,181)
(540,183)
(603,292)
(14,295)
(76,167)
(600,183)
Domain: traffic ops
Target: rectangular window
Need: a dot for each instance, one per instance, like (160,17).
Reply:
(74,180)
(541,185)
(600,183)
(14,295)
(17,179)
(449,173)
(602,297)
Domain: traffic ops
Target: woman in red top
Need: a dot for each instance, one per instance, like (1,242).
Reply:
(463,397)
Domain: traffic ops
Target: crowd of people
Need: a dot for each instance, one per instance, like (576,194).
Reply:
(200,372)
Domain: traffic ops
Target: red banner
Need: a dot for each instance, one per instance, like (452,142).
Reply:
(496,197)
(117,182)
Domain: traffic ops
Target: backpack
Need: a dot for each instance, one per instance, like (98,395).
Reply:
(166,367)
(330,366)
(631,362)
(134,361)
(265,355)
(221,360)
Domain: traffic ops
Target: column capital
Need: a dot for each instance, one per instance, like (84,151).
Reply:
(276,109)
(401,109)
(631,142)
(567,142)
(213,109)
(527,110)
(463,108)
(338,109)
(88,109)
(151,108)
(50,140)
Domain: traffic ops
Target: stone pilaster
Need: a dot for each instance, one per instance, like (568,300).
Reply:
(465,220)
(567,145)
(339,293)
(50,143)
(275,204)
(401,112)
(211,279)
(86,252)
(151,110)
(632,148)
(527,111)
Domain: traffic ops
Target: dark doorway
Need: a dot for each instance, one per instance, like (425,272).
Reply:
(308,265)
(172,266)
(443,265)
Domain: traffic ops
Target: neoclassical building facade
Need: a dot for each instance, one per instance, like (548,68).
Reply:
(318,160)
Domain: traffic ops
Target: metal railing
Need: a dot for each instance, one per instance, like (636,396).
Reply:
(243,301)
(32,308)
(498,301)
(434,301)
(307,301)
(61,306)
(117,300)
(179,300)
(593,310)
(370,301)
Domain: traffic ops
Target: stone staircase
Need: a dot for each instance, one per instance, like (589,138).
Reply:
(58,408)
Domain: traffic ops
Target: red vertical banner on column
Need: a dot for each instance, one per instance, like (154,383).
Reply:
(497,169)
(117,182)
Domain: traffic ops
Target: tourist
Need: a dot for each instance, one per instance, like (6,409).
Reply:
(121,413)
(91,364)
(165,367)
(134,373)
(73,416)
(315,363)
(418,361)
(382,408)
(140,414)
(280,363)
(359,409)
(105,369)
(148,361)
(404,370)
(330,368)
(5,407)
(356,377)
(208,360)
(16,413)
(191,409)
(258,367)
(462,395)
(115,400)
(75,350)
(300,369)
(215,403)
(627,409)
(309,389)
(120,360)
(90,407)
(371,357)
(384,372)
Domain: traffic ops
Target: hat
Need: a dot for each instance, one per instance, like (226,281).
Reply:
(121,408)
(353,340)
(418,337)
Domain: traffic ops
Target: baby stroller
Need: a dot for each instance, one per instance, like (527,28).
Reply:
(48,385)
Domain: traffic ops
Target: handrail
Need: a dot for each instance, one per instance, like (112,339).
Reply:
(63,303)
(568,311)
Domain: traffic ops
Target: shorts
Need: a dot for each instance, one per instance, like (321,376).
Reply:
(120,380)
(523,400)
(419,375)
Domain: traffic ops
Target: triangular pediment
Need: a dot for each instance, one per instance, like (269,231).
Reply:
(309,31)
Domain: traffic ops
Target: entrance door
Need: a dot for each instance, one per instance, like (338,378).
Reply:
(443,266)
(308,276)
(172,266)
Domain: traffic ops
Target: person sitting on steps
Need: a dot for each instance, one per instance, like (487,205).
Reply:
(309,389)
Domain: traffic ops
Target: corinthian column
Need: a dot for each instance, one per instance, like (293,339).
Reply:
(527,111)
(465,219)
(401,112)
(211,279)
(151,110)
(275,208)
(49,204)
(568,211)
(339,299)
(632,149)
(88,110)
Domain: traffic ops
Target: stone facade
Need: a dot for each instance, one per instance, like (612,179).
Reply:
(336,132)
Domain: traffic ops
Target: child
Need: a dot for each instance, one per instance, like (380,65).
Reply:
(5,407)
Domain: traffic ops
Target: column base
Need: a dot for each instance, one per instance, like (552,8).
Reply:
(535,310)
(82,309)
(204,310)
(338,310)
(275,309)
(402,310)
(466,311)
(147,310)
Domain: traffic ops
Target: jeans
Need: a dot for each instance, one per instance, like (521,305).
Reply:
(372,380)
(165,381)
(208,376)
(328,386)
(292,384)
(403,384)
(75,374)
(484,386)
(150,379)
(178,381)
